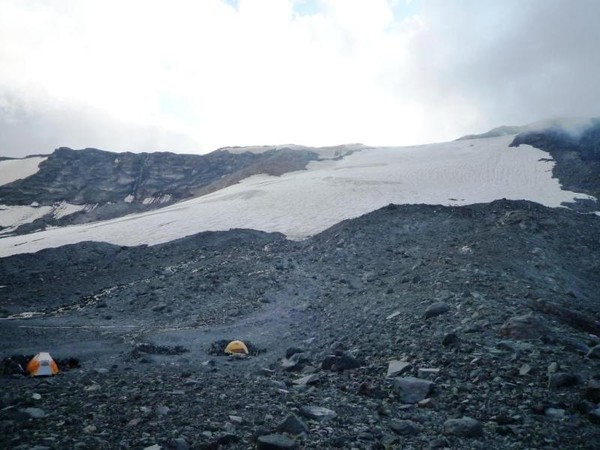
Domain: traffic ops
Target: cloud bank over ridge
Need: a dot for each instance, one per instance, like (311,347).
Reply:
(193,76)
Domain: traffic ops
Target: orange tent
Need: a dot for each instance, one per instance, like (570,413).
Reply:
(42,364)
(236,348)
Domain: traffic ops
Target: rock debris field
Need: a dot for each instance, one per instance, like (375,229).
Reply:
(414,327)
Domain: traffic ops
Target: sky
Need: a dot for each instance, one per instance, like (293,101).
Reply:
(192,76)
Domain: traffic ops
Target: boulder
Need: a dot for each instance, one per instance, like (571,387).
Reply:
(436,309)
(405,427)
(526,327)
(317,413)
(396,368)
(463,427)
(275,442)
(413,390)
(292,424)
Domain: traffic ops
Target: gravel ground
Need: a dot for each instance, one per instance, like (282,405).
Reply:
(411,327)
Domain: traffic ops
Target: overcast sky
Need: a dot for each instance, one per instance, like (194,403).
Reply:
(191,76)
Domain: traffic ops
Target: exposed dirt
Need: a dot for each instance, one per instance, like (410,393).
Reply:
(496,305)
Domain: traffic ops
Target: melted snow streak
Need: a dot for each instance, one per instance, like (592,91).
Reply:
(17,169)
(301,204)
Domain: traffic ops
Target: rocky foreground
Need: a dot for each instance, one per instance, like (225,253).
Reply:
(411,327)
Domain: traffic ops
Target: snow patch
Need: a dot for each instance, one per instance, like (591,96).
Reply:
(161,199)
(12,217)
(17,169)
(65,209)
(303,203)
(129,198)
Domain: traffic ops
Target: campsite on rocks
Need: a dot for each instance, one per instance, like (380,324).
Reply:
(468,317)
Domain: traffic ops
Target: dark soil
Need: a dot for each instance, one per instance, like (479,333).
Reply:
(511,291)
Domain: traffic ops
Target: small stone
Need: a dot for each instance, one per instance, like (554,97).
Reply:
(292,351)
(438,443)
(236,420)
(227,438)
(436,309)
(555,412)
(275,442)
(428,372)
(413,390)
(405,427)
(317,413)
(90,429)
(592,391)
(308,380)
(594,352)
(552,368)
(525,327)
(594,416)
(562,379)
(345,361)
(36,396)
(524,369)
(294,363)
(450,339)
(180,444)
(396,368)
(392,315)
(464,427)
(292,424)
(34,413)
(162,410)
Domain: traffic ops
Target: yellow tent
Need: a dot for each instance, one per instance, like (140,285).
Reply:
(236,348)
(42,364)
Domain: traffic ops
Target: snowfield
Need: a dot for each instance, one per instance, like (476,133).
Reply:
(17,169)
(303,203)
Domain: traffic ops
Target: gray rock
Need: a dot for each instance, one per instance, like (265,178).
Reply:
(405,427)
(396,368)
(413,390)
(180,444)
(162,410)
(555,412)
(292,351)
(292,424)
(526,327)
(295,362)
(340,362)
(562,379)
(436,309)
(463,427)
(308,380)
(594,352)
(317,413)
(34,413)
(450,339)
(594,416)
(275,442)
(592,391)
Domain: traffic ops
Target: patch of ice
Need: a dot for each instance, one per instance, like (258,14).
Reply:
(303,203)
(14,216)
(65,209)
(17,169)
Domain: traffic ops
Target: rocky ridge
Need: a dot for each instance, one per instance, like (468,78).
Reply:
(116,184)
(411,327)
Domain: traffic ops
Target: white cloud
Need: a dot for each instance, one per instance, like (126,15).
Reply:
(197,75)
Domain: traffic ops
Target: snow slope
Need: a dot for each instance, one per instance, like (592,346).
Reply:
(303,203)
(17,169)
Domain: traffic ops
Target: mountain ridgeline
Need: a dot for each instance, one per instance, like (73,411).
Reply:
(123,183)
(577,155)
